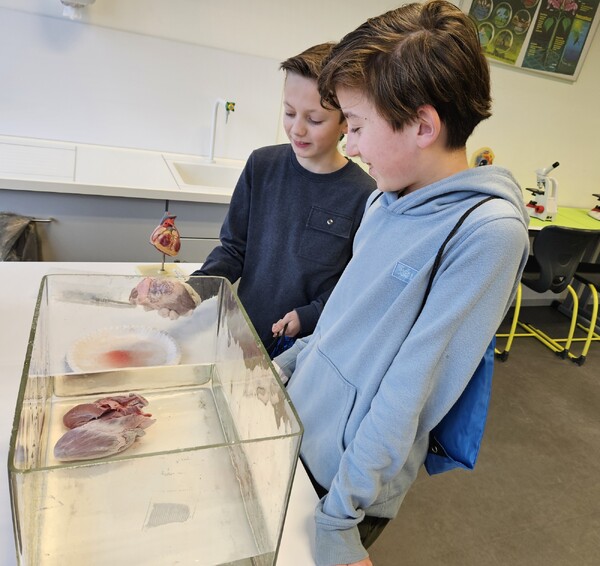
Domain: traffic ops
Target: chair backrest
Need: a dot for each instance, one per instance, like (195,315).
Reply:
(558,251)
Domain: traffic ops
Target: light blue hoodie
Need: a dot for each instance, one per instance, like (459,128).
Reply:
(370,383)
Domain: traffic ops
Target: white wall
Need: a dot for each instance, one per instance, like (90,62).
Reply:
(537,120)
(267,28)
(72,82)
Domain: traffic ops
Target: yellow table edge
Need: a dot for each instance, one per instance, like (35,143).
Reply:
(568,218)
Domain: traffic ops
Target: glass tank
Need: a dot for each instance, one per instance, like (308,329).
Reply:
(147,439)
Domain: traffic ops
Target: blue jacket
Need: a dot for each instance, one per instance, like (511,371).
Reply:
(372,382)
(288,236)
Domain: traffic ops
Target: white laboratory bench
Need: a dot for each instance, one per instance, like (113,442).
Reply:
(39,165)
(20,286)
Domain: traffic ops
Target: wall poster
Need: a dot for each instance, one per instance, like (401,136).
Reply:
(550,37)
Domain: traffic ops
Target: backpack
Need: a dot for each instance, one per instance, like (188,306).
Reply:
(455,441)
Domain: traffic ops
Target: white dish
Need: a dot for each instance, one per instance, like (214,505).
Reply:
(123,347)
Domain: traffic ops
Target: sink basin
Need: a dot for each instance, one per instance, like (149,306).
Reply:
(213,175)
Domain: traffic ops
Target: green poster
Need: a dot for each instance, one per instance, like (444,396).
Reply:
(561,31)
(503,26)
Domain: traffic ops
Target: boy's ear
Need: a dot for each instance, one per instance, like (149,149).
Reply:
(430,126)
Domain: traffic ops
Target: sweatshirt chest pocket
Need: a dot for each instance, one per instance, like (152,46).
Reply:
(326,237)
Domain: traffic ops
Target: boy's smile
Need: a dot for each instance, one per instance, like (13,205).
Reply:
(313,131)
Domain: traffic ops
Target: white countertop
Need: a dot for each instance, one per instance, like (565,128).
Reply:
(31,164)
(20,286)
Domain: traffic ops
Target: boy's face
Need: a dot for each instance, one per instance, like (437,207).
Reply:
(313,131)
(391,155)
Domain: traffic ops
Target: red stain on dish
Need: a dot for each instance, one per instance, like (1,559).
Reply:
(125,358)
(118,358)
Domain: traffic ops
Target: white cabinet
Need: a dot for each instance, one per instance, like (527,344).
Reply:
(101,228)
(199,225)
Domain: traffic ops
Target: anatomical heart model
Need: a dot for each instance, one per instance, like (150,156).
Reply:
(165,237)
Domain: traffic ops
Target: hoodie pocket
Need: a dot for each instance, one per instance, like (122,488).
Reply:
(326,236)
(324,400)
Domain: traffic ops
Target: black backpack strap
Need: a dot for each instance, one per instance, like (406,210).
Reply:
(371,203)
(438,257)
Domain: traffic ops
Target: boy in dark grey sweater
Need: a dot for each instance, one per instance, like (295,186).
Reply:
(290,227)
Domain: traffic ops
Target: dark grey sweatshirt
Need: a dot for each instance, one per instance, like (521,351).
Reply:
(288,236)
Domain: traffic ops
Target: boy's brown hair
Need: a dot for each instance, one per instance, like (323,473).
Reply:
(309,63)
(415,55)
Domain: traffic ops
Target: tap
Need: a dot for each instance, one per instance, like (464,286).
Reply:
(74,8)
(229,107)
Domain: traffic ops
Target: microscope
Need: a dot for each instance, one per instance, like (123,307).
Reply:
(595,212)
(543,202)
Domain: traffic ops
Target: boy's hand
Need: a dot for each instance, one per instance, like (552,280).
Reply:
(293,325)
(365,562)
(170,297)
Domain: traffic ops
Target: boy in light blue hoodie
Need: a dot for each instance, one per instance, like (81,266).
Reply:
(376,376)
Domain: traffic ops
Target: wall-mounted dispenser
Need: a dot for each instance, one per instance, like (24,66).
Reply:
(73,8)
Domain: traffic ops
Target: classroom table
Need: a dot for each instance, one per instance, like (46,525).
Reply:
(20,285)
(568,218)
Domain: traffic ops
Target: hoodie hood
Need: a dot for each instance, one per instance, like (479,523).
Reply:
(489,180)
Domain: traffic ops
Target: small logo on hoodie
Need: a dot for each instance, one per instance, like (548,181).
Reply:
(404,272)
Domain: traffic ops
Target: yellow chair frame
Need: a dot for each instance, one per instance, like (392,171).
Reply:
(553,344)
(588,274)
(557,252)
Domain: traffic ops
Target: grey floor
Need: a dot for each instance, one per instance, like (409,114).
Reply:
(534,496)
